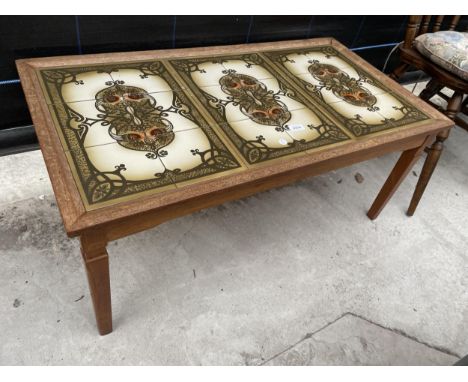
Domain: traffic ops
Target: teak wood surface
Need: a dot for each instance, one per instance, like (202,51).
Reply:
(97,227)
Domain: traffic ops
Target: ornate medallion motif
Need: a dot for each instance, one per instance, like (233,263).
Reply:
(334,82)
(254,99)
(342,85)
(238,83)
(135,121)
(170,140)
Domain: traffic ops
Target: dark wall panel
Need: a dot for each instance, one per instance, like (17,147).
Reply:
(374,30)
(37,36)
(34,36)
(208,30)
(273,28)
(103,34)
(343,28)
(13,108)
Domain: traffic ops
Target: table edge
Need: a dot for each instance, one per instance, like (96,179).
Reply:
(75,217)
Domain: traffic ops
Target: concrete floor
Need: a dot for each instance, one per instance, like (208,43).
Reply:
(293,276)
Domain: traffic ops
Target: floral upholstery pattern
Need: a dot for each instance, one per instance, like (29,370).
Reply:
(449,49)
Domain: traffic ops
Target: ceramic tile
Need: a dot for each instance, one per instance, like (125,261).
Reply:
(194,155)
(255,113)
(86,83)
(235,113)
(356,99)
(145,127)
(299,63)
(354,89)
(95,117)
(141,79)
(248,65)
(388,112)
(115,142)
(81,84)
(110,173)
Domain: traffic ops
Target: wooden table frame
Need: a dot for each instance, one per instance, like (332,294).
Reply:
(97,227)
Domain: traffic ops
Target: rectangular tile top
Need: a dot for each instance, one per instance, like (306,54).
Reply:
(144,127)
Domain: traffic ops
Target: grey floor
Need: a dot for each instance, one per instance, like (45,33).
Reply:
(293,276)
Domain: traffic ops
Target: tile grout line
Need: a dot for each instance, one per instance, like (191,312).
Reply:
(206,115)
(326,108)
(312,105)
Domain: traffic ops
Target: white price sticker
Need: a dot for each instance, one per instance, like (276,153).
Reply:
(296,127)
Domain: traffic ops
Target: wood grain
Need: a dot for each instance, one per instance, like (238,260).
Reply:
(97,227)
(77,220)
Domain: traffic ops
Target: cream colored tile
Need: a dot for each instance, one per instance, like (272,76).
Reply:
(97,134)
(85,114)
(86,109)
(233,111)
(387,105)
(163,100)
(86,86)
(391,108)
(247,68)
(105,158)
(298,64)
(180,152)
(328,95)
(328,59)
(150,83)
(350,111)
(249,130)
(301,125)
(208,74)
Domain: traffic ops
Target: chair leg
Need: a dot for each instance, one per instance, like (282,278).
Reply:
(399,71)
(434,153)
(431,89)
(463,121)
(429,166)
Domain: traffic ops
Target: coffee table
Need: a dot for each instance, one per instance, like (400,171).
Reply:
(131,140)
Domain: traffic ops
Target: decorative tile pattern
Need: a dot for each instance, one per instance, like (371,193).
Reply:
(261,113)
(121,139)
(142,127)
(356,99)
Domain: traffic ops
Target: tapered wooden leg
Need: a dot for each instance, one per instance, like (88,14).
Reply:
(399,71)
(96,261)
(407,159)
(433,154)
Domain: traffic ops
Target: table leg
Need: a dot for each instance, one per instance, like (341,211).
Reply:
(97,269)
(407,159)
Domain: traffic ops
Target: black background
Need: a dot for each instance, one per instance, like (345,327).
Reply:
(38,36)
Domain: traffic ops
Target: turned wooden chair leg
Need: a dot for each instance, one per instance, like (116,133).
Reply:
(406,161)
(433,154)
(399,71)
(431,89)
(96,261)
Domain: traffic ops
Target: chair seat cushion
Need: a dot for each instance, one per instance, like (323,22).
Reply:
(448,49)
